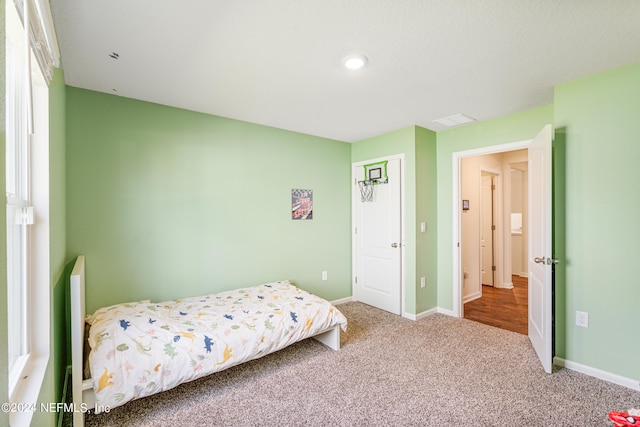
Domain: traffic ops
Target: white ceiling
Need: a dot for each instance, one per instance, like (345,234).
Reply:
(277,62)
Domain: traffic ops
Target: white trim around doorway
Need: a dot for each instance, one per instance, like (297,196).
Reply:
(458,310)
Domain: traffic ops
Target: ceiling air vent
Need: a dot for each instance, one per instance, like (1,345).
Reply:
(455,120)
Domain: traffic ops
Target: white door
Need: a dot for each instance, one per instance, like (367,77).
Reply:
(540,286)
(378,242)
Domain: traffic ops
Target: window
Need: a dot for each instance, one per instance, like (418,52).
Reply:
(18,198)
(27,207)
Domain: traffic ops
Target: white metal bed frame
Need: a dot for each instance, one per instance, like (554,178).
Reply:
(84,397)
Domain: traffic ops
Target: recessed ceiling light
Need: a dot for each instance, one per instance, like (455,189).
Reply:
(355,61)
(455,120)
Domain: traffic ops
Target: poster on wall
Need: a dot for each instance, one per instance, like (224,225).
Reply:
(301,204)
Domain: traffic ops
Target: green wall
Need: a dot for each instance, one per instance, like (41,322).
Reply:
(515,127)
(598,119)
(167,203)
(54,378)
(426,211)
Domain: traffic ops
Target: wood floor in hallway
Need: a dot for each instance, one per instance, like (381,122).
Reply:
(503,308)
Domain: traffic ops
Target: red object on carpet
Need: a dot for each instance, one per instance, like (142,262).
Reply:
(623,419)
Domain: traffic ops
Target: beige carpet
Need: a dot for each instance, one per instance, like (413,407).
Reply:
(438,371)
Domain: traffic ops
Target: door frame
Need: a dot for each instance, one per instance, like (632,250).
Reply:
(458,304)
(355,198)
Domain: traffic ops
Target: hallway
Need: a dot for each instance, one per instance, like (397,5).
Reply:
(503,308)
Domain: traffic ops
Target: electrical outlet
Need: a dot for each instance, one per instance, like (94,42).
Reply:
(582,319)
(324,275)
(423,282)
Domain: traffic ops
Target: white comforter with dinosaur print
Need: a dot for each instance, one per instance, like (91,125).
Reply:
(142,348)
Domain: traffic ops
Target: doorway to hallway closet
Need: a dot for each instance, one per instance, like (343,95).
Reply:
(378,233)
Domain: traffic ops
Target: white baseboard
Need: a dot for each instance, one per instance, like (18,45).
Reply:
(420,315)
(471,297)
(427,313)
(446,312)
(506,285)
(342,300)
(597,373)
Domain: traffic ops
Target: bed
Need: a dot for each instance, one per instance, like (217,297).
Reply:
(142,348)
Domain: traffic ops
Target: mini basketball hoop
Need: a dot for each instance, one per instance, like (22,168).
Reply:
(366,190)
(374,174)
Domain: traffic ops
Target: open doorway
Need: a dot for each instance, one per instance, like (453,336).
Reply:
(540,284)
(494,240)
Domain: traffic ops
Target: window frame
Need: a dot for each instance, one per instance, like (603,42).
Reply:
(28,194)
(17,198)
